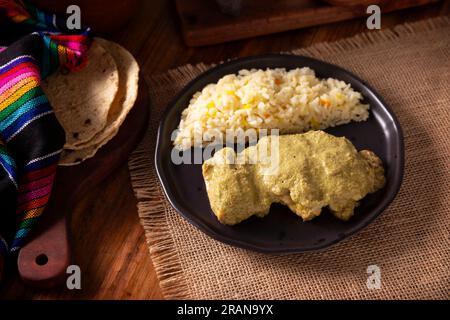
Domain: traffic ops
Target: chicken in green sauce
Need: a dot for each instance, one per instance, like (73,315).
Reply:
(315,170)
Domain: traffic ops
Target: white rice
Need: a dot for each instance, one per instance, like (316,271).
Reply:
(292,101)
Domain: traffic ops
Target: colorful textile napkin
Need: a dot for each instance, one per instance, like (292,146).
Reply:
(31,139)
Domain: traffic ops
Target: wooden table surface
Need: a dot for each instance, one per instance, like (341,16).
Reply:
(108,242)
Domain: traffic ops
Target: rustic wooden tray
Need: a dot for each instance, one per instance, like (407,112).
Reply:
(203,23)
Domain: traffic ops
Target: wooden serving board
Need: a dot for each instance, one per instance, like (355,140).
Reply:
(43,261)
(203,23)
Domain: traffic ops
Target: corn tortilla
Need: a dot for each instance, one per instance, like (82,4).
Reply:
(82,100)
(124,100)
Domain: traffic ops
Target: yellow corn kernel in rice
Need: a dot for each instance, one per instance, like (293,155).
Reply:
(339,97)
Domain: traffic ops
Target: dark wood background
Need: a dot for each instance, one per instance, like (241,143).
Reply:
(109,243)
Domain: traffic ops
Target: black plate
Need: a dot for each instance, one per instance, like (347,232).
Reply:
(282,231)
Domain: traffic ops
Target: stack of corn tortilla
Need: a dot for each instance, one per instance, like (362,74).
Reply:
(92,104)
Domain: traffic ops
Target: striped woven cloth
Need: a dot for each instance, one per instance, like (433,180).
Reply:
(31,139)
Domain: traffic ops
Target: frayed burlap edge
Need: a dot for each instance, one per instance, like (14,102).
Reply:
(151,202)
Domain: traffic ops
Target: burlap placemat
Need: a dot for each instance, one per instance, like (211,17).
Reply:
(410,243)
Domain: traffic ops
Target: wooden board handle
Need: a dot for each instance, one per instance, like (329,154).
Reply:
(43,262)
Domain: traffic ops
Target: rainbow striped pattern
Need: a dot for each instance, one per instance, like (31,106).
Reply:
(31,138)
